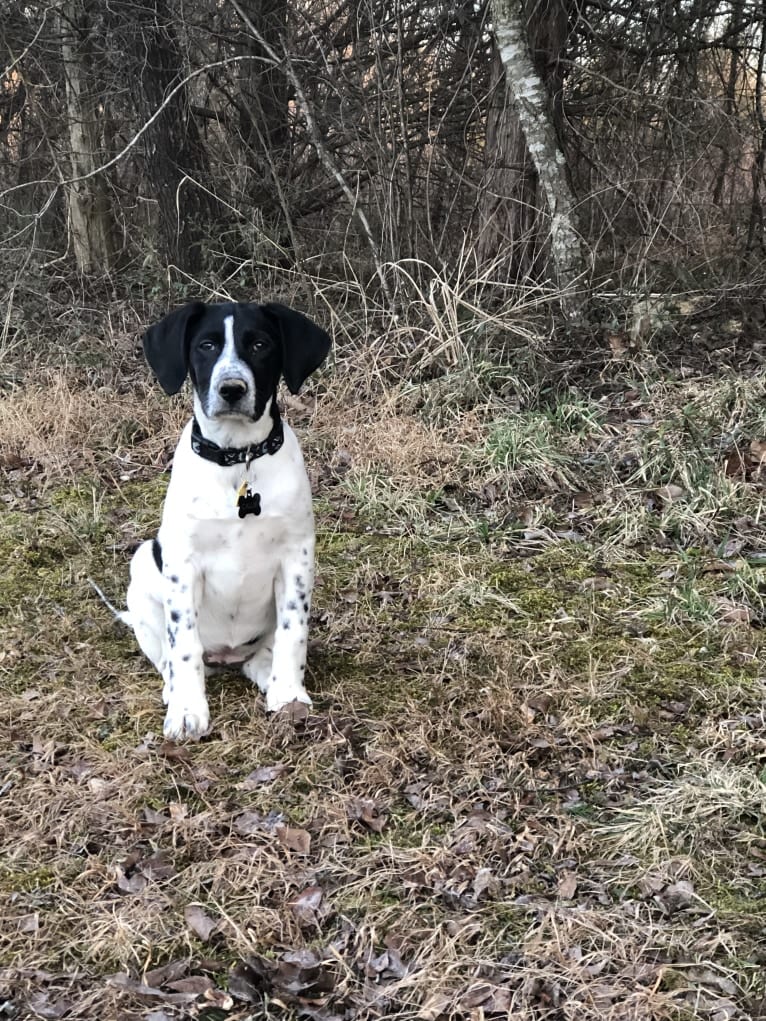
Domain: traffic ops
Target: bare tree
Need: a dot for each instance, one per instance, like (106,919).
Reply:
(90,222)
(525,153)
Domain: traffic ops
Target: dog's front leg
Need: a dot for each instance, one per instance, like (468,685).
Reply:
(184,675)
(292,591)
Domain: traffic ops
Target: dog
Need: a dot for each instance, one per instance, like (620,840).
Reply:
(228,579)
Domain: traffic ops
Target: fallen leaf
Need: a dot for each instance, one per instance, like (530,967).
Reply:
(200,923)
(294,712)
(730,612)
(247,823)
(133,884)
(250,979)
(174,751)
(367,812)
(154,818)
(28,923)
(758,451)
(178,811)
(306,904)
(264,774)
(293,839)
(167,973)
(197,984)
(567,885)
(669,493)
(47,1006)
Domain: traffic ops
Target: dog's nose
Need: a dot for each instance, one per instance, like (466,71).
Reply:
(232,389)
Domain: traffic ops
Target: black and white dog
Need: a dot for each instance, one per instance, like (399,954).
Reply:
(228,579)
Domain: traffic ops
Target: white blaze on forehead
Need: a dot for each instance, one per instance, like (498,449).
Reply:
(229,354)
(229,363)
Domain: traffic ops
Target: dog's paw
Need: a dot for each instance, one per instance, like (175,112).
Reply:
(189,720)
(278,697)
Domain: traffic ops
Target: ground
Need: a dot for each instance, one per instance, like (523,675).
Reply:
(532,784)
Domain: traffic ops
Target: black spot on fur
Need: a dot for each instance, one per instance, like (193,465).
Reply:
(174,578)
(291,605)
(175,616)
(305,607)
(171,637)
(286,625)
(157,554)
(186,657)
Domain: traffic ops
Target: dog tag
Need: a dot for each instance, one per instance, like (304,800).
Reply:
(248,502)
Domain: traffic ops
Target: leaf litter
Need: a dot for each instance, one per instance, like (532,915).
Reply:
(530,785)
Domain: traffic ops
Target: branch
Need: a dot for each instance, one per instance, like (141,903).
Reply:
(325,158)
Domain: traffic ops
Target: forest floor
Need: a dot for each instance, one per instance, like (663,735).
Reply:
(533,781)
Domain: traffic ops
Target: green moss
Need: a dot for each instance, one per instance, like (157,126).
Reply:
(26,880)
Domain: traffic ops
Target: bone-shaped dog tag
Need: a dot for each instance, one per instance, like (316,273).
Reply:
(248,502)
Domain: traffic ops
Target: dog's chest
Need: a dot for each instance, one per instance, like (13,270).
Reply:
(235,558)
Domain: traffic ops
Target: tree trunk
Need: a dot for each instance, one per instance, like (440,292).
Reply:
(509,225)
(529,103)
(173,148)
(90,221)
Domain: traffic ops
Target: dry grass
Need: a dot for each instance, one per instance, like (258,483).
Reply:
(532,782)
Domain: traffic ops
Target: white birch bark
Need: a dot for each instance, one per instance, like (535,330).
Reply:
(529,95)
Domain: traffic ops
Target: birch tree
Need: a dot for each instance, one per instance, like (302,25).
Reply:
(530,102)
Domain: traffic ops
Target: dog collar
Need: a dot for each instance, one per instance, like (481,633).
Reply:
(224,457)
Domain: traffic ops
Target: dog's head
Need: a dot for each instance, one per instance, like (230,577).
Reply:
(234,353)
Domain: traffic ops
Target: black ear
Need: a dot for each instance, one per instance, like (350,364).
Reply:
(304,344)
(166,345)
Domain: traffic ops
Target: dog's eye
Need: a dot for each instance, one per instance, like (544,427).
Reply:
(257,344)
(208,345)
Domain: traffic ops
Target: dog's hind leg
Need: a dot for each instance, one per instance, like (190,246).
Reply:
(258,668)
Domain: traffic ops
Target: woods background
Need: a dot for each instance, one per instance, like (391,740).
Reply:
(372,149)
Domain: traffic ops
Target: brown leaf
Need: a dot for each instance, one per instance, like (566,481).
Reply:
(730,612)
(47,1006)
(264,774)
(293,838)
(306,904)
(669,493)
(174,751)
(736,464)
(157,867)
(197,984)
(247,823)
(133,884)
(485,881)
(435,1006)
(140,989)
(758,451)
(153,818)
(167,973)
(567,885)
(200,923)
(476,995)
(369,813)
(294,712)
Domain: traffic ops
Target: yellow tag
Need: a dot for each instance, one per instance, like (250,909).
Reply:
(241,492)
